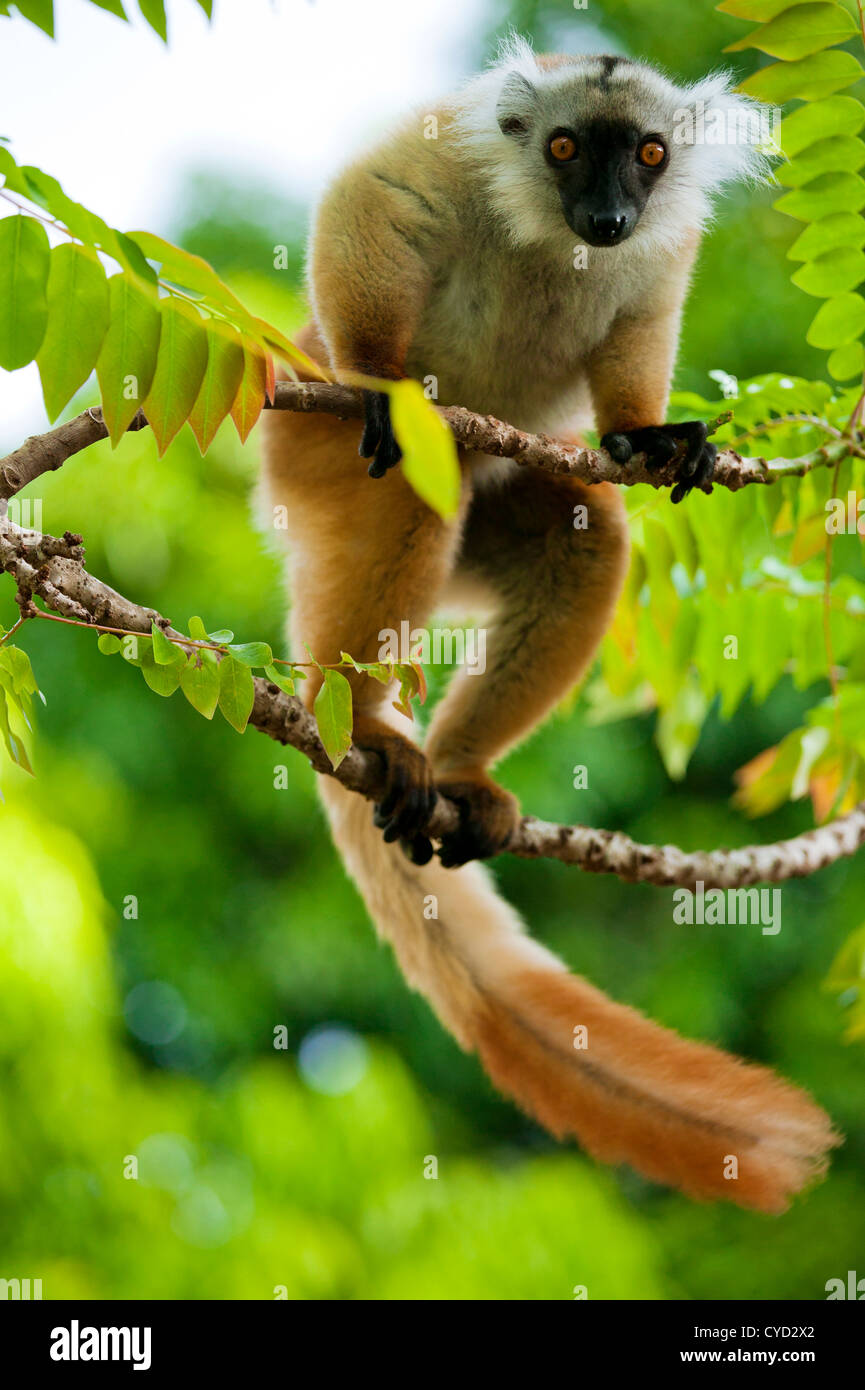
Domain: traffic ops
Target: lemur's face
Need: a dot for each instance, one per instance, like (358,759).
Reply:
(601,148)
(605,172)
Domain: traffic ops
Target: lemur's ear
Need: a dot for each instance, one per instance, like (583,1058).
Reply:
(732,134)
(516,106)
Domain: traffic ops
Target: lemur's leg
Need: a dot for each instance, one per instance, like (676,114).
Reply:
(556,584)
(364,556)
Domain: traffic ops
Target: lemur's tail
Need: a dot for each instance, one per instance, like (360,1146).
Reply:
(680,1112)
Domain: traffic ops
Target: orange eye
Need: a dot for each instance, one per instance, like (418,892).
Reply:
(652,153)
(563,148)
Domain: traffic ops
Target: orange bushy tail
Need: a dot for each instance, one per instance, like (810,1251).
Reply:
(680,1112)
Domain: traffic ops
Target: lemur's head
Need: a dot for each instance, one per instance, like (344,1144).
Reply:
(608,144)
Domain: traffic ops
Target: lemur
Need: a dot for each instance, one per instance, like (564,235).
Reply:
(453,258)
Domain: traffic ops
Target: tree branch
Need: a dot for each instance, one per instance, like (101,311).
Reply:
(487,435)
(45,453)
(481,433)
(51,568)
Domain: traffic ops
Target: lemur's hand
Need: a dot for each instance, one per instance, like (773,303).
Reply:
(377,441)
(660,442)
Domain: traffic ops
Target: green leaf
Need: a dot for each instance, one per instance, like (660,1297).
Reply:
(831,274)
(252,653)
(124,250)
(249,401)
(838,321)
(333,713)
(835,154)
(191,272)
(758,10)
(429,453)
(5,731)
(822,196)
(15,745)
(108,643)
(221,637)
(154,12)
(47,193)
(809,79)
(840,229)
(412,682)
(197,630)
(163,680)
(127,360)
(78,221)
(818,120)
(24,262)
(137,650)
(112,6)
(200,684)
(77,323)
(679,727)
(166,652)
(220,383)
(236,692)
(847,970)
(39,12)
(180,368)
(845,362)
(847,979)
(285,682)
(796,32)
(16,674)
(381,671)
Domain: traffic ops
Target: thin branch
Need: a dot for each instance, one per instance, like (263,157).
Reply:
(51,569)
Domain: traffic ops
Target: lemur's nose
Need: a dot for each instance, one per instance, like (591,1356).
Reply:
(607,226)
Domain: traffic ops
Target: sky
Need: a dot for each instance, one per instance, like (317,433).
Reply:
(286,89)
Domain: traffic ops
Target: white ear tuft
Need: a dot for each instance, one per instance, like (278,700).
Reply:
(732,136)
(515,55)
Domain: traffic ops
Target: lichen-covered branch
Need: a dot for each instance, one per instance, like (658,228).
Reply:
(481,433)
(51,568)
(484,434)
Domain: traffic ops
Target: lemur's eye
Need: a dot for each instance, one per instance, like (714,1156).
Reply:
(563,148)
(652,153)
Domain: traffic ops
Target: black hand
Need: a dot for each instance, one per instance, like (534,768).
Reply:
(660,442)
(377,441)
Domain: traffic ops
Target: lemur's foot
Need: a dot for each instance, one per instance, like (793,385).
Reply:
(409,795)
(378,441)
(660,442)
(488,817)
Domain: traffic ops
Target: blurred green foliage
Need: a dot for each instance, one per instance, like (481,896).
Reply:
(165,909)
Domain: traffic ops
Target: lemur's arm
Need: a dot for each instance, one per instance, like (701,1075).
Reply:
(630,375)
(372,253)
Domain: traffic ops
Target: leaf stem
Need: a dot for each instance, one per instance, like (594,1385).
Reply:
(14,628)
